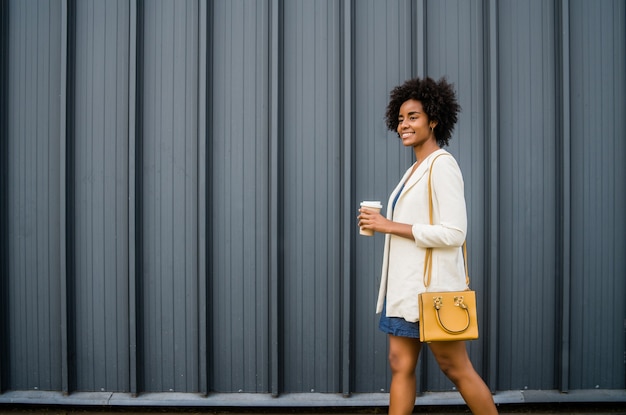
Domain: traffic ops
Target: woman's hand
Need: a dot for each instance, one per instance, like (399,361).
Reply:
(372,219)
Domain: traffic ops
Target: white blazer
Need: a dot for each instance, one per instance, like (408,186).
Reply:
(403,261)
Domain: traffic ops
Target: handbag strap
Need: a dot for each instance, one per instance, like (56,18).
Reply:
(428,259)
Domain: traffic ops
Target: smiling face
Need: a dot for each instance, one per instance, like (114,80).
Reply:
(414,127)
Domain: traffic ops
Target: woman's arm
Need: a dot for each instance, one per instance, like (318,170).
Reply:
(448,206)
(371,219)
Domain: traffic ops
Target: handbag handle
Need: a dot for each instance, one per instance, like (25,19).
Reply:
(458,302)
(428,259)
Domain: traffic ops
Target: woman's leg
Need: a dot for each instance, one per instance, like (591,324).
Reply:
(403,355)
(454,362)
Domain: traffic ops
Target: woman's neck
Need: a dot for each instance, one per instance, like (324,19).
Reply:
(425,150)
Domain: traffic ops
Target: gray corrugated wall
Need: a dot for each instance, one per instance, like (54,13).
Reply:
(33,282)
(169,193)
(311,151)
(598,193)
(100,186)
(382,58)
(239,160)
(527,195)
(460,54)
(182,179)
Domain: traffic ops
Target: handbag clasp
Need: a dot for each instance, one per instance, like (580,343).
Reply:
(458,301)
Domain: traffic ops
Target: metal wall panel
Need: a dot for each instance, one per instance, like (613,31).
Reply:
(598,194)
(311,148)
(239,169)
(4,199)
(101,196)
(34,285)
(182,182)
(457,52)
(383,59)
(169,269)
(527,196)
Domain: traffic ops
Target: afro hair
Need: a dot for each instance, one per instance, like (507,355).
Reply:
(438,100)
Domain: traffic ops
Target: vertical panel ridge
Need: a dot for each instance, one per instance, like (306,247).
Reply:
(563,36)
(135,166)
(492,219)
(68,294)
(419,42)
(4,197)
(205,14)
(276,200)
(419,38)
(348,200)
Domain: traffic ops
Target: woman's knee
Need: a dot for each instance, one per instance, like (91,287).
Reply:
(454,363)
(400,364)
(453,373)
(396,361)
(456,369)
(403,357)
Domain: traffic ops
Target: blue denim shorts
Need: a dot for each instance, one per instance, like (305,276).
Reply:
(398,326)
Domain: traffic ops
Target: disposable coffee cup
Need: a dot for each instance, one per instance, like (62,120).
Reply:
(374,205)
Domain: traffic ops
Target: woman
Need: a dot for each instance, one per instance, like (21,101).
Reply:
(423,112)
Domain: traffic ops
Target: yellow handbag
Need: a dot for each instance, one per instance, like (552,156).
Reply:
(446,316)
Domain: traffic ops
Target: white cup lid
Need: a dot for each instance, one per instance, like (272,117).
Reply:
(372,204)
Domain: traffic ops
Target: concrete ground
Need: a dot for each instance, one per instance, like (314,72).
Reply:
(503,409)
(588,402)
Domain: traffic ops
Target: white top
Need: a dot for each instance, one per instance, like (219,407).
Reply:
(402,276)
